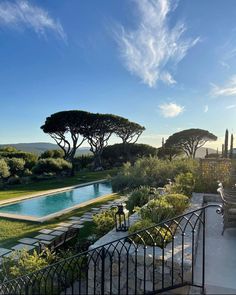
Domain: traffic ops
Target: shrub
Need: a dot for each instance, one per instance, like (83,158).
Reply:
(14,180)
(27,172)
(29,158)
(157,210)
(84,161)
(184,184)
(178,201)
(17,165)
(52,154)
(22,262)
(117,154)
(4,169)
(212,170)
(152,172)
(156,235)
(105,221)
(51,165)
(138,197)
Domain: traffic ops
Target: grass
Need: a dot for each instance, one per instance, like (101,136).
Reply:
(44,185)
(13,230)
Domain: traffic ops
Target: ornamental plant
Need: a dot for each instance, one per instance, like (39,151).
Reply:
(138,197)
(104,221)
(157,210)
(153,236)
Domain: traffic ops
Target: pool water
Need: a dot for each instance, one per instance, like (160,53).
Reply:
(48,204)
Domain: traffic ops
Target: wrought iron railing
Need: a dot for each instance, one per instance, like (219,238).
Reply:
(150,261)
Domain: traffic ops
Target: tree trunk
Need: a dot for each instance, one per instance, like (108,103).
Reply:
(97,162)
(72,171)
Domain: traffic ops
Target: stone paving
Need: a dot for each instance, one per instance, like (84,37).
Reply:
(47,235)
(220,257)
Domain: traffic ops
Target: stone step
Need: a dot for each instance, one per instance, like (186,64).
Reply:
(28,241)
(23,246)
(4,251)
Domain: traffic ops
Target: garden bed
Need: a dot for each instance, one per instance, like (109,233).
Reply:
(159,260)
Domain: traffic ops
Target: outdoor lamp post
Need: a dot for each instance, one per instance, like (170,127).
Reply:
(122,218)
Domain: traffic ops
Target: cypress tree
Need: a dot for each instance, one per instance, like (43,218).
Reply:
(226,143)
(231,146)
(163,141)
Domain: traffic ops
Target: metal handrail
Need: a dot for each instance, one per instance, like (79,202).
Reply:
(99,260)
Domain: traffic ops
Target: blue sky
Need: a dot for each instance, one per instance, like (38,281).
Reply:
(168,65)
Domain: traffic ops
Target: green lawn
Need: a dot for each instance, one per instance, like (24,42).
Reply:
(11,230)
(44,185)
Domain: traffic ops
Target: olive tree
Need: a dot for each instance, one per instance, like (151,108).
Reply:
(190,140)
(4,169)
(16,165)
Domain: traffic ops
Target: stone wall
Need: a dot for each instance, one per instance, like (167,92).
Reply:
(123,266)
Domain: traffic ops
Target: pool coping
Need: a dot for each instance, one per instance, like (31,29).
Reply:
(51,192)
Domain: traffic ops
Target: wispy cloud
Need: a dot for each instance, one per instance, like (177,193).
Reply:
(154,47)
(206,108)
(232,106)
(171,110)
(22,14)
(229,89)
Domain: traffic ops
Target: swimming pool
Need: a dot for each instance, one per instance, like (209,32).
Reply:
(38,208)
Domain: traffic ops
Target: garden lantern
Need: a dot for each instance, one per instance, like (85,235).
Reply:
(122,218)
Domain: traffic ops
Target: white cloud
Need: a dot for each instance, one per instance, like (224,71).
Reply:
(171,110)
(154,46)
(22,14)
(229,89)
(206,108)
(224,64)
(232,106)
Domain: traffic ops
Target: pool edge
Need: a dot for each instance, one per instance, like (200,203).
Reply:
(49,192)
(54,215)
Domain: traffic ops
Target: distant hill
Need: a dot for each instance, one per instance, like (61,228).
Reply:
(40,147)
(201,153)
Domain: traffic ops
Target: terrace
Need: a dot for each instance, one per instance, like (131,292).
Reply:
(168,246)
(196,266)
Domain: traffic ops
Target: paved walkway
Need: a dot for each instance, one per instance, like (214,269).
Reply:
(220,275)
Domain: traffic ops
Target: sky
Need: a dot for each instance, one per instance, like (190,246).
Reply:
(167,65)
